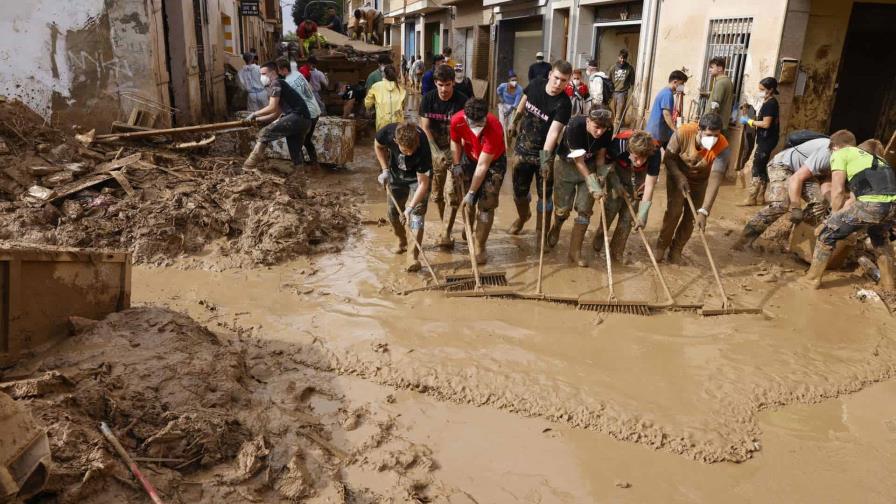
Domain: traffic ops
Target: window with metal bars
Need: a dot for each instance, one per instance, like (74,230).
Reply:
(730,39)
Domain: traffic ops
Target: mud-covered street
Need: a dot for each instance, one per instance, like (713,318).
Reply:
(551,404)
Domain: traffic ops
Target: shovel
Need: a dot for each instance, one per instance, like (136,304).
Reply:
(727,307)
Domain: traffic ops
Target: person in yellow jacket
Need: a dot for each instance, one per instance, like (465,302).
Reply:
(387,98)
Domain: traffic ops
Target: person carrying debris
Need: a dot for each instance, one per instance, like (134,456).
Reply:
(480,162)
(406,163)
(285,107)
(578,171)
(872,183)
(249,78)
(636,168)
(436,110)
(696,159)
(371,22)
(387,98)
(794,175)
(294,143)
(540,117)
(308,37)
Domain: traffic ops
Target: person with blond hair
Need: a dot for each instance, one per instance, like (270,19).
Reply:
(406,163)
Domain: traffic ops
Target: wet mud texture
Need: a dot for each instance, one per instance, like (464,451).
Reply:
(198,204)
(230,417)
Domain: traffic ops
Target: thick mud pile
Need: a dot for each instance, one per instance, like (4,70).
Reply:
(160,205)
(209,420)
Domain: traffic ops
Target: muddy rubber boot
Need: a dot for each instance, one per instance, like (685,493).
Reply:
(660,250)
(256,156)
(554,233)
(400,233)
(576,237)
(819,264)
(746,238)
(675,255)
(413,262)
(885,265)
(617,247)
(486,219)
(752,193)
(523,215)
(446,241)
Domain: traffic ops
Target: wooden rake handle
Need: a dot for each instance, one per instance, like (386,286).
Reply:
(653,261)
(469,230)
(544,231)
(413,237)
(603,223)
(712,263)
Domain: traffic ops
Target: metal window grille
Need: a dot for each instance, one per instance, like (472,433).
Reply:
(730,39)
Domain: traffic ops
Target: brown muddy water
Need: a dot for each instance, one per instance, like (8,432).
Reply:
(525,401)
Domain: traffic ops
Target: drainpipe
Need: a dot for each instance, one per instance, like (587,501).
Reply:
(653,18)
(573,46)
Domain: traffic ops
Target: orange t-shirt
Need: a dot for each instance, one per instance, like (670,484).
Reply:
(699,161)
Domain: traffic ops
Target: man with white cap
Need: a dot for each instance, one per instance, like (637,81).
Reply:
(540,69)
(462,83)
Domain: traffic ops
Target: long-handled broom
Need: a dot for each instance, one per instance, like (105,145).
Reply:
(727,307)
(612,305)
(670,303)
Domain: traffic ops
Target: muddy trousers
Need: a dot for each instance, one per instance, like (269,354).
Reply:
(524,171)
(778,199)
(616,210)
(570,191)
(875,218)
(440,165)
(293,127)
(678,221)
(403,191)
(486,197)
(309,142)
(761,156)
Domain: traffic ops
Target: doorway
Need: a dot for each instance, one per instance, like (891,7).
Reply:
(609,38)
(865,99)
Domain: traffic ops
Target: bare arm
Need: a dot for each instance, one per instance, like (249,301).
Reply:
(521,108)
(795,185)
(424,125)
(485,160)
(272,107)
(649,185)
(382,155)
(838,184)
(667,116)
(455,152)
(712,189)
(766,122)
(550,142)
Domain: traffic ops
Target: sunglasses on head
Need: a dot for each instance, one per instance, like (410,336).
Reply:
(600,114)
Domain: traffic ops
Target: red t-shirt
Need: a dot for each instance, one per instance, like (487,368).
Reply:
(489,141)
(307,29)
(305,70)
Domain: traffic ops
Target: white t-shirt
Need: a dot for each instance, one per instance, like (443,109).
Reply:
(813,154)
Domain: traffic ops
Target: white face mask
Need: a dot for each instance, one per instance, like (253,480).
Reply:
(576,82)
(679,88)
(513,83)
(265,80)
(477,129)
(708,142)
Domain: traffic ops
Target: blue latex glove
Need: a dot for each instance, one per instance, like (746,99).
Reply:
(744,120)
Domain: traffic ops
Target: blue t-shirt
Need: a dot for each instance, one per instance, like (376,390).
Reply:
(656,126)
(510,98)
(428,82)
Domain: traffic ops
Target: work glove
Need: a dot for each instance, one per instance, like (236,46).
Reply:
(251,117)
(701,221)
(744,120)
(457,170)
(384,177)
(643,211)
(796,215)
(594,187)
(247,122)
(406,216)
(817,209)
(546,160)
(470,199)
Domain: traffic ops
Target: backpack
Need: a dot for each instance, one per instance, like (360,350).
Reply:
(600,88)
(802,136)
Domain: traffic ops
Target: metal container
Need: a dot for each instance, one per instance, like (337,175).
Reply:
(42,288)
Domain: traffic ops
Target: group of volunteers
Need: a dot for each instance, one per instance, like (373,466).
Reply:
(577,154)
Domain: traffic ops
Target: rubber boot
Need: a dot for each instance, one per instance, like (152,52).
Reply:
(486,219)
(577,236)
(760,196)
(819,264)
(885,265)
(746,238)
(554,233)
(400,233)
(752,193)
(617,246)
(413,261)
(256,156)
(660,250)
(446,241)
(523,215)
(675,255)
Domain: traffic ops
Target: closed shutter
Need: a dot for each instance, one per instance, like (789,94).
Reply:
(482,53)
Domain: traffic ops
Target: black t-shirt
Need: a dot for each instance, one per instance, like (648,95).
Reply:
(768,135)
(542,109)
(577,137)
(539,70)
(439,114)
(404,169)
(465,87)
(290,100)
(618,152)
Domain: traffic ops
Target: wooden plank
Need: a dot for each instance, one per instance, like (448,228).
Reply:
(117,163)
(123,182)
(80,185)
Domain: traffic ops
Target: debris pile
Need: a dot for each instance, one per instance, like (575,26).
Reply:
(158,203)
(207,418)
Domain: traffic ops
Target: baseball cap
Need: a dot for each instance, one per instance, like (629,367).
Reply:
(539,55)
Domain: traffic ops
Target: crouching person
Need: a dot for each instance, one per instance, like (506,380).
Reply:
(406,162)
(873,184)
(576,178)
(479,166)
